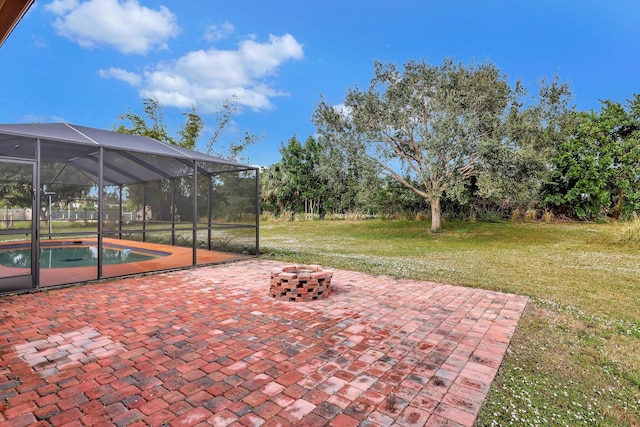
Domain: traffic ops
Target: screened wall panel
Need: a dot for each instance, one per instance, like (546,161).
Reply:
(109,204)
(68,210)
(17,204)
(184,202)
(234,209)
(133,211)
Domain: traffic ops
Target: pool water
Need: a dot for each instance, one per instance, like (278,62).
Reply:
(69,257)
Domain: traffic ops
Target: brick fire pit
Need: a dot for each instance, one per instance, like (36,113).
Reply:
(300,283)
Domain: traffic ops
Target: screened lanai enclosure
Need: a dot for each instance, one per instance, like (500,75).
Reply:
(81,204)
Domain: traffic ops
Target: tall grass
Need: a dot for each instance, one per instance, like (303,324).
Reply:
(575,357)
(630,232)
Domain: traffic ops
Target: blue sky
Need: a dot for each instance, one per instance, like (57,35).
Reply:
(88,61)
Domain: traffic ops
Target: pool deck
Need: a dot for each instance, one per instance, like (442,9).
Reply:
(208,346)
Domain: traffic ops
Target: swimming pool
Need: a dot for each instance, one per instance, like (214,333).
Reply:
(76,255)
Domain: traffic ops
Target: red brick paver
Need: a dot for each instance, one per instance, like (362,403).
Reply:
(209,346)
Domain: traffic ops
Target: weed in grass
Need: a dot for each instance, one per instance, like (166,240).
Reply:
(422,216)
(266,216)
(548,217)
(531,215)
(516,216)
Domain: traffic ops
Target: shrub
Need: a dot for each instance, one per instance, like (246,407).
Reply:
(490,216)
(227,244)
(403,216)
(287,216)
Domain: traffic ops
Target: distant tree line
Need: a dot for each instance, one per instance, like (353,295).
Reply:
(459,141)
(450,141)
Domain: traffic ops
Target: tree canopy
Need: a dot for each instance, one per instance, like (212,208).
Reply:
(152,124)
(596,171)
(294,183)
(442,129)
(461,140)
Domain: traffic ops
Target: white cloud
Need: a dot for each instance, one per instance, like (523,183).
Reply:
(118,73)
(205,79)
(218,32)
(32,118)
(124,25)
(39,42)
(60,7)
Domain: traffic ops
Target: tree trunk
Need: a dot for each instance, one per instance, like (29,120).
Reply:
(435,214)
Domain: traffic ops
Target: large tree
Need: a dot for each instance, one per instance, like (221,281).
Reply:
(152,125)
(352,179)
(294,183)
(231,198)
(514,167)
(423,125)
(233,149)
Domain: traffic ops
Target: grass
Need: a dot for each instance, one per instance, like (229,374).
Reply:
(574,359)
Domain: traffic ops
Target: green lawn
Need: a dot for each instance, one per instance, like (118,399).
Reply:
(575,359)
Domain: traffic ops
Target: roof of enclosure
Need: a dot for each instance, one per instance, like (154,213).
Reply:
(128,158)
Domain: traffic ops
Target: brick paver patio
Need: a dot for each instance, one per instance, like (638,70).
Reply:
(208,346)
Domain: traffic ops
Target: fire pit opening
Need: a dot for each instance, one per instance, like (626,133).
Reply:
(300,283)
